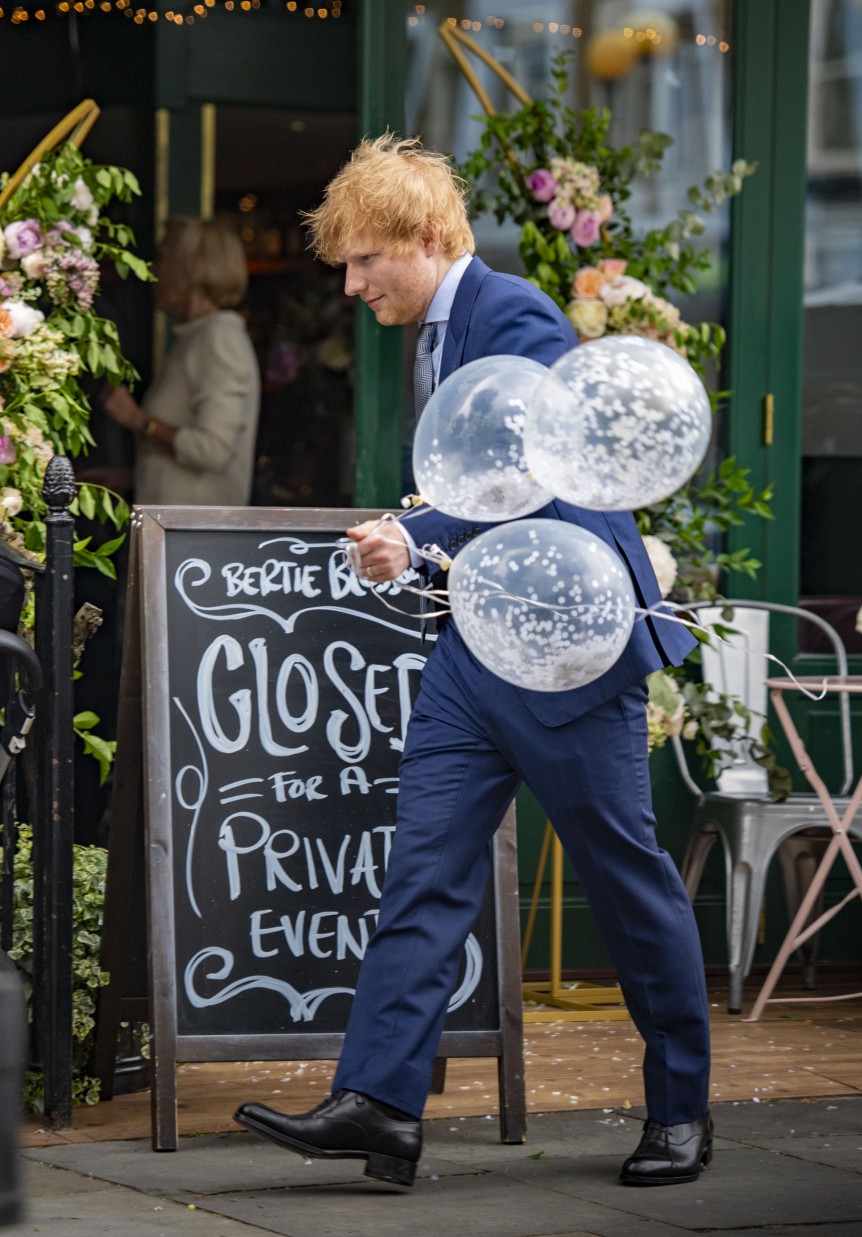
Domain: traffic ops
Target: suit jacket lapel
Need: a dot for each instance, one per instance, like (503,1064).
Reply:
(462,307)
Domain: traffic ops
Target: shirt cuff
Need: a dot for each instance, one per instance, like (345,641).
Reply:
(416,559)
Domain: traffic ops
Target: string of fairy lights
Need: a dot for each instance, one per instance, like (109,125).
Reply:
(28,11)
(649,35)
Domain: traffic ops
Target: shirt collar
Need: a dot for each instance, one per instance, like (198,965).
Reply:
(441,303)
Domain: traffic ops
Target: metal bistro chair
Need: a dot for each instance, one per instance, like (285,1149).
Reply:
(753,827)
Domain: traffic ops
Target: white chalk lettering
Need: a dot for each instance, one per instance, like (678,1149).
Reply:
(301,934)
(241,700)
(228,843)
(335,726)
(305,670)
(288,786)
(261,665)
(272,576)
(371,692)
(314,863)
(353,776)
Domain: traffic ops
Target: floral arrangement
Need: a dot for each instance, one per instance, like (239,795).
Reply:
(575,203)
(608,301)
(551,170)
(54,236)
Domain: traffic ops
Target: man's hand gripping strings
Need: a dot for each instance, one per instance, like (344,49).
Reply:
(379,551)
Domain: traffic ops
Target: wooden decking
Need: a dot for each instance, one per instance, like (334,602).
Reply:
(799,1050)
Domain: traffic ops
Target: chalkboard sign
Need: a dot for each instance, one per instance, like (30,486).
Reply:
(266,692)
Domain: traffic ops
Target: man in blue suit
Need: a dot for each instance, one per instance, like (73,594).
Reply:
(395,217)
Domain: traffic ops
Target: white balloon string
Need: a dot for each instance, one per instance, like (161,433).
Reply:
(666,612)
(656,613)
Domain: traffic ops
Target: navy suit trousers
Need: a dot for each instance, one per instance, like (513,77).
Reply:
(470,742)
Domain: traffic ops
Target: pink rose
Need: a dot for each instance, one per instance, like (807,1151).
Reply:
(22,237)
(541,184)
(561,216)
(8,454)
(585,229)
(57,234)
(611,267)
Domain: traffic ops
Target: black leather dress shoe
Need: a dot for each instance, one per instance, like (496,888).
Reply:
(347,1126)
(670,1154)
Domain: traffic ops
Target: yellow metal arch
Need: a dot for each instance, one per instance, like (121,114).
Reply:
(72,128)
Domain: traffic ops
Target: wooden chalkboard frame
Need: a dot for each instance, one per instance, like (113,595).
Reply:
(142,820)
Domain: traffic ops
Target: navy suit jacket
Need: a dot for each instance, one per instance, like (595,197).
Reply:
(493,315)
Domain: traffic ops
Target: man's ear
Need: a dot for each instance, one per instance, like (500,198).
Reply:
(431,239)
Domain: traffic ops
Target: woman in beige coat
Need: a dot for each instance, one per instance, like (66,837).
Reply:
(197,422)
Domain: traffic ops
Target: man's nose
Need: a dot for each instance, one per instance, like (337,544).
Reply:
(353,282)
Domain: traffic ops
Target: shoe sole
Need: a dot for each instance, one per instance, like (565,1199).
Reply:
(380,1167)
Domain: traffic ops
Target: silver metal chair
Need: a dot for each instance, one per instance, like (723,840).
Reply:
(751,826)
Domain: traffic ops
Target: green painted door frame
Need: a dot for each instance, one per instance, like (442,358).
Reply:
(377,405)
(766,279)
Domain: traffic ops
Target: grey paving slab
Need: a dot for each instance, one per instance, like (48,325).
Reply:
(64,1204)
(603,1132)
(483,1206)
(837,1150)
(208,1163)
(788,1168)
(850,1229)
(743,1188)
(774,1118)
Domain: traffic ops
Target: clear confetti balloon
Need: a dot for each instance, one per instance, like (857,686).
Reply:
(542,603)
(468,454)
(619,422)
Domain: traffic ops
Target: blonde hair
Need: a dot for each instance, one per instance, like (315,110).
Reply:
(205,256)
(398,192)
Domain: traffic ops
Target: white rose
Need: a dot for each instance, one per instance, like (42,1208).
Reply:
(588,316)
(34,265)
(663,563)
(25,319)
(621,289)
(84,235)
(11,500)
(93,216)
(82,198)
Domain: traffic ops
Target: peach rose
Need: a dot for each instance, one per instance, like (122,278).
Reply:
(588,281)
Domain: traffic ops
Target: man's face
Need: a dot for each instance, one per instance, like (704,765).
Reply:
(397,287)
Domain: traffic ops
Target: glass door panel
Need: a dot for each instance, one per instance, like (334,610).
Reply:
(831,515)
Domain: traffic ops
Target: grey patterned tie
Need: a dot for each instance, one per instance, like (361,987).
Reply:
(423,367)
(423,385)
